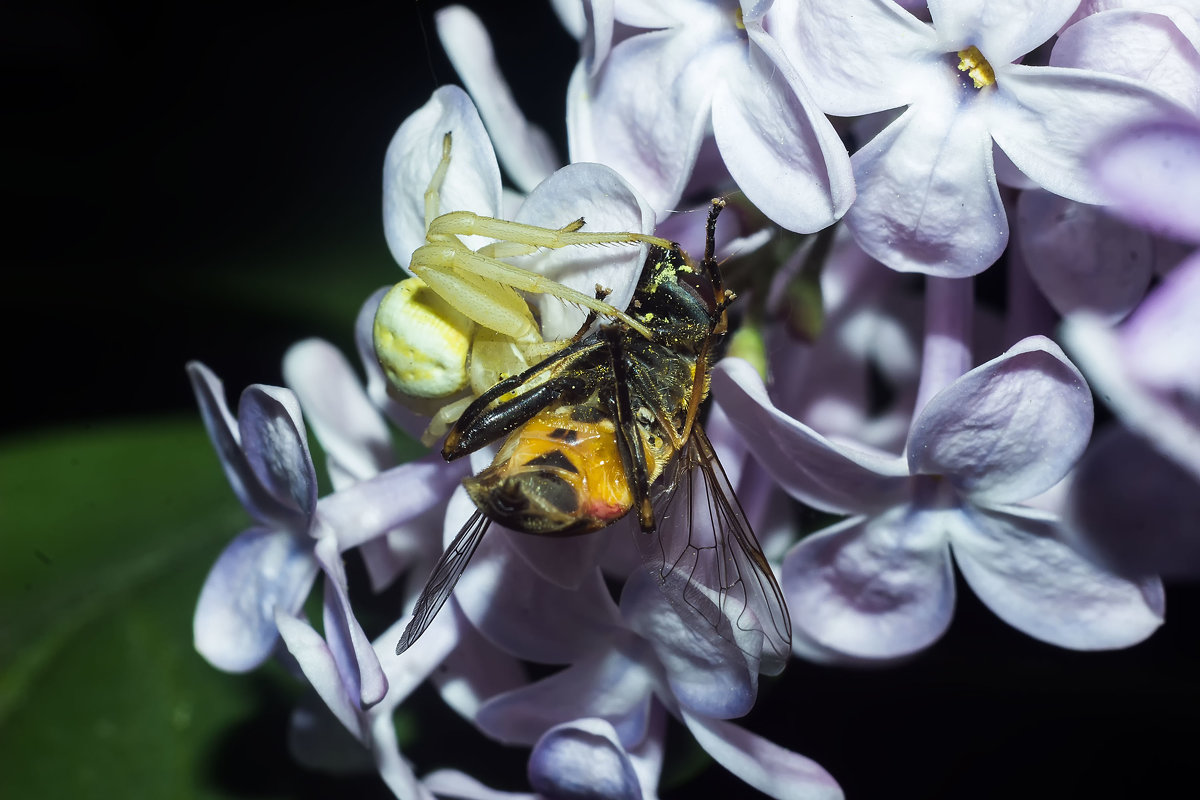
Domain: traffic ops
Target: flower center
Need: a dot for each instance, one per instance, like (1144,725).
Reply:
(972,62)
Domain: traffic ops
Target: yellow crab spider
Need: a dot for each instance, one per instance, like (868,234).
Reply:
(461,322)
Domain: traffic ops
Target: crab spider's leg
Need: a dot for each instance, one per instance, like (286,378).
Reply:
(446,268)
(511,249)
(466,223)
(432,203)
(457,258)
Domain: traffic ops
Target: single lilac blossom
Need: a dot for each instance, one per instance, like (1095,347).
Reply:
(928,199)
(879,585)
(686,70)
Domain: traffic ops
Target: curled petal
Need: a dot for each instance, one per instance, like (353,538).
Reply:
(608,685)
(347,641)
(1009,429)
(1136,509)
(763,764)
(1020,568)
(808,466)
(320,668)
(276,447)
(605,202)
(781,151)
(260,571)
(928,200)
(583,760)
(1049,120)
(226,437)
(472,182)
(351,432)
(523,148)
(880,589)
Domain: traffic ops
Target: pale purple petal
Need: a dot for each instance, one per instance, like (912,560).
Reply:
(608,685)
(1081,258)
(1009,429)
(347,641)
(1151,174)
(766,766)
(927,194)
(226,438)
(424,659)
(320,668)
(583,760)
(1159,342)
(567,561)
(651,136)
(879,588)
(474,671)
(783,153)
(452,783)
(606,203)
(1136,509)
(371,508)
(276,446)
(1049,120)
(1002,31)
(707,674)
(811,468)
(472,181)
(1021,570)
(856,56)
(351,432)
(318,740)
(1147,374)
(522,613)
(260,571)
(524,149)
(1157,47)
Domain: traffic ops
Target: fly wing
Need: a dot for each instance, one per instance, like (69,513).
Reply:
(445,575)
(708,561)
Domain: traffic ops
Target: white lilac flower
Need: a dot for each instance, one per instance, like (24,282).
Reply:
(1147,369)
(880,584)
(691,69)
(928,199)
(270,568)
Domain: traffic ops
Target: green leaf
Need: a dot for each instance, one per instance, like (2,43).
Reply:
(108,535)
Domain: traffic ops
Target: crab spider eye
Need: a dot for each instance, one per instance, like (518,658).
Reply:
(422,341)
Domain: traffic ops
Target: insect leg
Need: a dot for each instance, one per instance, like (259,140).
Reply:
(435,183)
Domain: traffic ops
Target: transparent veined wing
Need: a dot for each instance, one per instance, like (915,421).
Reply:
(442,581)
(709,563)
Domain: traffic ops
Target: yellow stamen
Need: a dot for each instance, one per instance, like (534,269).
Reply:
(972,62)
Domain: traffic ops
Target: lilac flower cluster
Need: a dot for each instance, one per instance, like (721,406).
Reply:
(855,141)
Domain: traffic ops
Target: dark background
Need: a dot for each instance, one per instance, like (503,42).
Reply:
(173,172)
